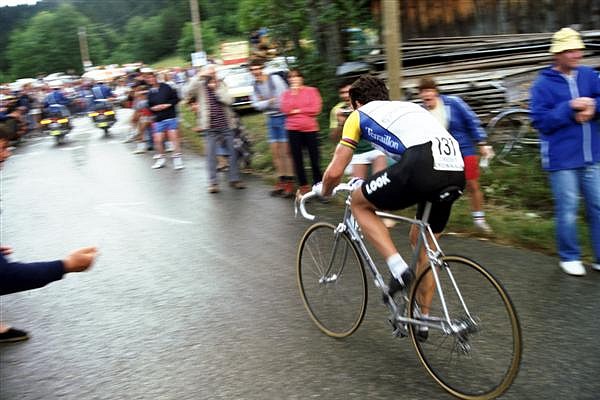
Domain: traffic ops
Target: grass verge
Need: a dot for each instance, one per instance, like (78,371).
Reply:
(518,201)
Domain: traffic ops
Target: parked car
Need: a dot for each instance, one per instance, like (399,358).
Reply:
(239,82)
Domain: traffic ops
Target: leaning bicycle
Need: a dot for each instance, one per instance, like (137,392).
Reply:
(512,136)
(459,317)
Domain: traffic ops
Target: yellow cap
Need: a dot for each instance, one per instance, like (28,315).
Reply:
(566,39)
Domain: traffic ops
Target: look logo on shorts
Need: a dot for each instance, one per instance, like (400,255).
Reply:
(378,183)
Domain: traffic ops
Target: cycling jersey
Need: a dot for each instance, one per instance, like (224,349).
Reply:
(395,126)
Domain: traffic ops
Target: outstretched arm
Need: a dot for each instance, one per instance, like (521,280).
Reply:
(18,277)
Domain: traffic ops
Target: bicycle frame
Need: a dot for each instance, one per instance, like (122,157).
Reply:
(433,253)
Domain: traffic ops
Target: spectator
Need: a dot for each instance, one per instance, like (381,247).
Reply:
(462,123)
(364,154)
(17,277)
(162,101)
(217,119)
(265,98)
(565,101)
(142,120)
(301,105)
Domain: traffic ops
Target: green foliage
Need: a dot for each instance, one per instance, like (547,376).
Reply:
(223,18)
(254,14)
(186,45)
(50,43)
(523,186)
(169,62)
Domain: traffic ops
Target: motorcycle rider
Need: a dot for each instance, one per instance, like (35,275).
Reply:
(102,94)
(56,98)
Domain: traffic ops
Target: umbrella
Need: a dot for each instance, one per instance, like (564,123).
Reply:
(104,74)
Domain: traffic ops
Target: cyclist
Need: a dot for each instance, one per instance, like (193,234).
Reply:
(429,160)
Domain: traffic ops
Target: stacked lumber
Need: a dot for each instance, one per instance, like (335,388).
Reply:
(489,72)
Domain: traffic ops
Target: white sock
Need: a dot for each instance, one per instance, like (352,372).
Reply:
(423,327)
(397,266)
(478,215)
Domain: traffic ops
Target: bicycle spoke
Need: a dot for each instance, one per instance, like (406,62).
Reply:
(331,280)
(513,138)
(481,360)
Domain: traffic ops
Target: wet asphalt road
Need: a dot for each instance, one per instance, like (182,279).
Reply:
(194,295)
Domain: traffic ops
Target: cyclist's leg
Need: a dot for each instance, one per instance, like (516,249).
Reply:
(371,225)
(425,294)
(438,218)
(386,190)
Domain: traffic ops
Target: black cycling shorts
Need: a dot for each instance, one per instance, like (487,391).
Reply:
(410,181)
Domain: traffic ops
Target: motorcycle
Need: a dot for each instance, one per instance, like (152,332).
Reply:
(103,115)
(56,122)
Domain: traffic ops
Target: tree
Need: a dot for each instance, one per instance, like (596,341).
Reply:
(50,43)
(186,45)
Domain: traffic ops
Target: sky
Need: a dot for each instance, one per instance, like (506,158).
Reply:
(16,2)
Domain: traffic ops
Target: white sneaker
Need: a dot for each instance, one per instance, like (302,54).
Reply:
(596,267)
(177,162)
(573,267)
(159,163)
(130,138)
(140,149)
(482,225)
(156,156)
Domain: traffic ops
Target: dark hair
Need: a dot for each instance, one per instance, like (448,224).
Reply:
(295,71)
(427,82)
(256,63)
(344,82)
(368,88)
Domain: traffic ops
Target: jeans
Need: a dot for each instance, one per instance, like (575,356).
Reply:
(276,129)
(567,185)
(215,138)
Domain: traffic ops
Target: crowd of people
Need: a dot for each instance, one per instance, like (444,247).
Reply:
(387,145)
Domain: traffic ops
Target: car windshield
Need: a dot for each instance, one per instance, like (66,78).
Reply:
(239,79)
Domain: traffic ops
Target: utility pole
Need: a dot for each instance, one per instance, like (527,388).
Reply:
(196,25)
(391,34)
(198,46)
(83,48)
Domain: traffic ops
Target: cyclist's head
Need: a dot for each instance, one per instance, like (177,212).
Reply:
(368,88)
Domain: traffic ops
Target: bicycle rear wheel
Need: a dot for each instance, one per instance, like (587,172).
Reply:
(331,279)
(482,360)
(512,136)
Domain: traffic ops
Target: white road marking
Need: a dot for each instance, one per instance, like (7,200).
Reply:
(125,208)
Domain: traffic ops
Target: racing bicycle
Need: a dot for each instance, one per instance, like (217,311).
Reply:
(460,319)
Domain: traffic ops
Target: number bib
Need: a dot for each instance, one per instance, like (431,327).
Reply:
(446,154)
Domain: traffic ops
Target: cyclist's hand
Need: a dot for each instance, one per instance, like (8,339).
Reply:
(356,183)
(318,189)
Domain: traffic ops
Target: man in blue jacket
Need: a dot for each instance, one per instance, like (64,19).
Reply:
(19,276)
(565,101)
(462,123)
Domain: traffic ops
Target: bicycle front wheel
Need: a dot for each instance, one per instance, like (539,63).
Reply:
(478,355)
(331,279)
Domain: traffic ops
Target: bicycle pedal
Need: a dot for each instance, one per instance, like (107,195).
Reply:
(398,330)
